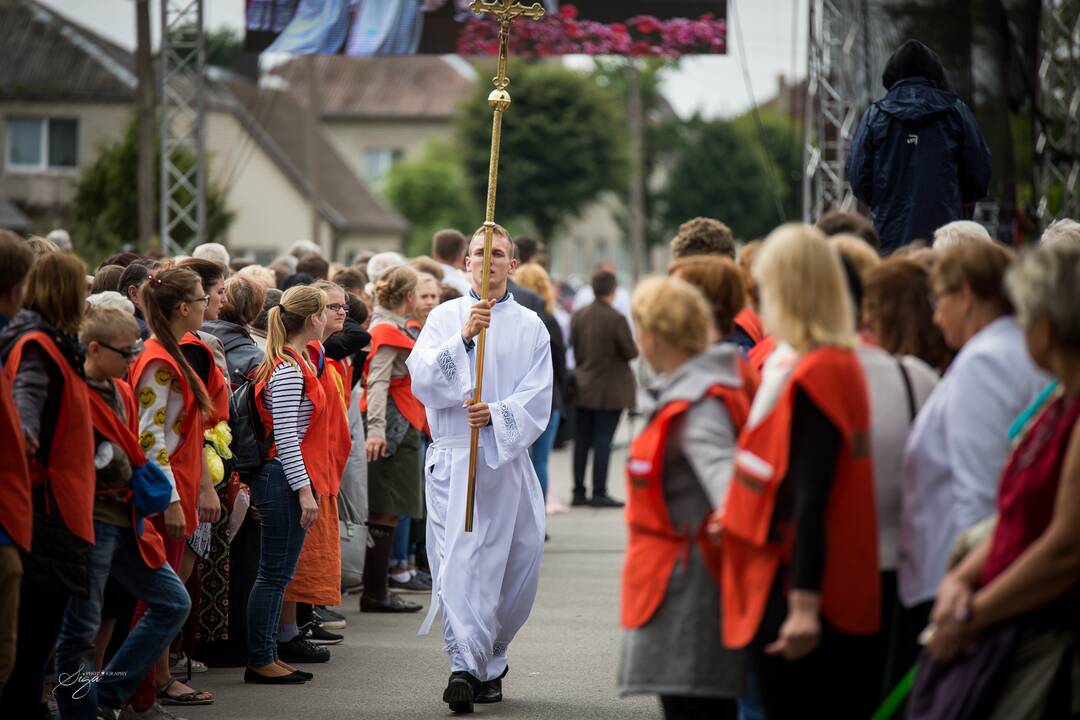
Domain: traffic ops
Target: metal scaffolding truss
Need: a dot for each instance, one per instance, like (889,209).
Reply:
(836,94)
(1057,144)
(183,175)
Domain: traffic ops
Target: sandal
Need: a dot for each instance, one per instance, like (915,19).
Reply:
(194,697)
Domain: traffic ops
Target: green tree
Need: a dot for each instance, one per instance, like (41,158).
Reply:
(431,192)
(715,172)
(562,145)
(105,209)
(778,143)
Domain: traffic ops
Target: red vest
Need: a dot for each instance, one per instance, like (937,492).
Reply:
(315,447)
(400,388)
(749,322)
(654,545)
(126,436)
(850,589)
(339,440)
(186,461)
(70,472)
(16,504)
(217,388)
(761,352)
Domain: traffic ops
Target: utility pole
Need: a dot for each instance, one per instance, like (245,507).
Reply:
(145,116)
(636,199)
(311,136)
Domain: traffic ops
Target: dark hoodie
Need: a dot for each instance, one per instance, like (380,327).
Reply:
(918,155)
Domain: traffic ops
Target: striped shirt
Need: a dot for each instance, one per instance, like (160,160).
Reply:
(291,411)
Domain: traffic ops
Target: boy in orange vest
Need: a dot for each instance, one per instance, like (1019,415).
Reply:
(125,546)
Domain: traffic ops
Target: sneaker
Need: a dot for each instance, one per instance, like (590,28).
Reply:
(157,712)
(319,635)
(415,584)
(424,576)
(180,667)
(329,619)
(299,650)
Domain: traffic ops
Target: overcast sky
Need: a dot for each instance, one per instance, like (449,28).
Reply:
(774,32)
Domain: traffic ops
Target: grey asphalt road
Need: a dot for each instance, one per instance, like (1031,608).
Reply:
(562,664)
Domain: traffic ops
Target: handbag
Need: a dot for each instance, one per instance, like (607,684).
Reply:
(58,561)
(967,688)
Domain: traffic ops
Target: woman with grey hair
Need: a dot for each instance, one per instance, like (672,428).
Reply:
(1060,232)
(1014,594)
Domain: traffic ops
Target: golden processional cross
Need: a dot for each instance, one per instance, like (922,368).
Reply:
(505,11)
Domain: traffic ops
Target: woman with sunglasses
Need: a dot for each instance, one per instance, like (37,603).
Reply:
(173,405)
(43,361)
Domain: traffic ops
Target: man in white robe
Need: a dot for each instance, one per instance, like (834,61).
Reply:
(484,581)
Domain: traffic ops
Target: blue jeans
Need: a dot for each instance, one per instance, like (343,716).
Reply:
(115,551)
(541,451)
(399,553)
(282,540)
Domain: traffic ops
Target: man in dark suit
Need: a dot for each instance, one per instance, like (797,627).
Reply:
(604,386)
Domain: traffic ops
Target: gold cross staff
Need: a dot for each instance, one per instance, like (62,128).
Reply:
(506,11)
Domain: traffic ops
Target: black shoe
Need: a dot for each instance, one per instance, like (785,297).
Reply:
(299,650)
(294,678)
(606,501)
(579,501)
(318,635)
(460,692)
(392,604)
(491,690)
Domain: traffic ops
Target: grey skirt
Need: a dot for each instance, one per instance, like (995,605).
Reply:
(395,485)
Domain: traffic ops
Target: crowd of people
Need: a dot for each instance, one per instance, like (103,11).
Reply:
(852,463)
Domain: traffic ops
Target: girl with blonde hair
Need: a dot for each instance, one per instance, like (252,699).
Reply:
(678,470)
(801,589)
(292,403)
(395,419)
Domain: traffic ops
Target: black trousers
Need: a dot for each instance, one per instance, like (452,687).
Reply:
(677,707)
(839,680)
(40,613)
(594,431)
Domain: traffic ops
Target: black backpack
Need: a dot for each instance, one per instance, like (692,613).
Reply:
(251,442)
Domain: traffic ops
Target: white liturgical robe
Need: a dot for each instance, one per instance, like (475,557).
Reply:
(484,581)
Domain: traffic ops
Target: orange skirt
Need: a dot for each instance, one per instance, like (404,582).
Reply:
(318,572)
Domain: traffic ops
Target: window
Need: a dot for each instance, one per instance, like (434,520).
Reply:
(378,161)
(42,143)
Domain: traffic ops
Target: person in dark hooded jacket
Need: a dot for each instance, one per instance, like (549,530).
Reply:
(918,155)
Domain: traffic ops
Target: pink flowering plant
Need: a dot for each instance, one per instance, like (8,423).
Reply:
(565,34)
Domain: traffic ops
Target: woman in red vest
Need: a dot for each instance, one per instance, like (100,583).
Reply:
(800,563)
(174,404)
(293,406)
(394,421)
(43,363)
(678,471)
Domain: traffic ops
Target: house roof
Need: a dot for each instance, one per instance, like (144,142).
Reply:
(417,87)
(275,121)
(45,56)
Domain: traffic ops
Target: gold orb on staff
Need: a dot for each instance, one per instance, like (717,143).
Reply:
(505,11)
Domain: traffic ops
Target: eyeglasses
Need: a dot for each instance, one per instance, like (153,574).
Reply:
(205,300)
(338,307)
(127,353)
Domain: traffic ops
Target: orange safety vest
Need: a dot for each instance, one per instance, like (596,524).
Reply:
(186,461)
(315,447)
(70,472)
(750,323)
(339,440)
(217,387)
(16,503)
(126,436)
(400,388)
(850,589)
(654,545)
(761,352)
